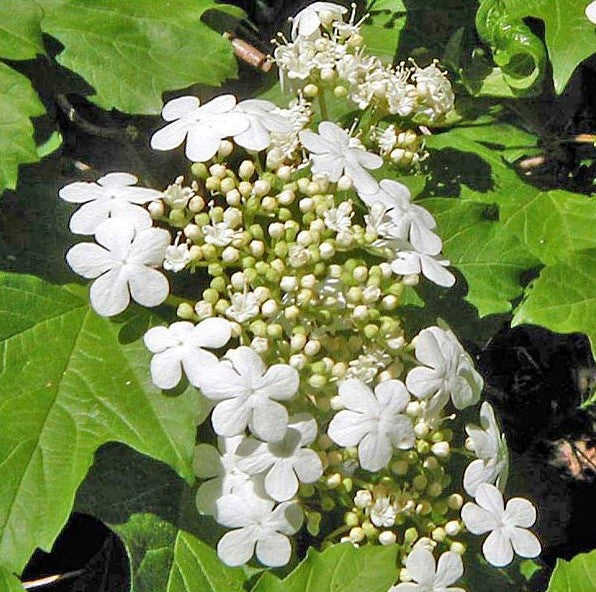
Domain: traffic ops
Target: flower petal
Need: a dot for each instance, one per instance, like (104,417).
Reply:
(81,192)
(490,498)
(363,181)
(525,543)
(449,569)
(230,418)
(89,216)
(421,566)
(435,272)
(117,180)
(401,432)
(356,396)
(423,382)
(218,105)
(497,548)
(280,382)
(207,496)
(286,518)
(89,260)
(520,512)
(195,362)
(255,456)
(306,424)
(347,428)
(222,382)
(109,293)
(116,235)
(478,472)
(229,124)
(206,461)
(393,395)
(281,482)
(202,143)
(171,136)
(477,519)
(157,339)
(212,333)
(181,107)
(148,287)
(166,370)
(247,362)
(328,164)
(149,247)
(314,143)
(374,451)
(308,466)
(274,550)
(237,546)
(269,421)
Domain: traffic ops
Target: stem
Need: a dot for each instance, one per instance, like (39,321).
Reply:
(323,104)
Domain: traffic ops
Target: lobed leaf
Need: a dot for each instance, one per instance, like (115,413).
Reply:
(488,254)
(339,568)
(383,28)
(132,52)
(70,381)
(569,35)
(576,575)
(563,297)
(20,31)
(18,104)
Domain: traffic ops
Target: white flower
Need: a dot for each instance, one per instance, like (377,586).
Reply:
(263,119)
(368,364)
(204,126)
(177,196)
(112,196)
(383,512)
(448,371)
(221,470)
(408,261)
(339,219)
(591,12)
(374,422)
(244,306)
(435,90)
(177,257)
(403,219)
(219,234)
(507,525)
(295,60)
(308,20)
(334,153)
(386,140)
(123,263)
(492,464)
(257,524)
(287,462)
(181,346)
(430,577)
(247,392)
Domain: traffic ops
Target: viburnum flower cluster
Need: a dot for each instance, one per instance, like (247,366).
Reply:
(326,414)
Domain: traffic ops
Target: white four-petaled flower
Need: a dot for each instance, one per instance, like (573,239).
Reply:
(263,120)
(507,525)
(111,196)
(403,219)
(181,346)
(307,21)
(430,577)
(221,472)
(203,126)
(492,464)
(448,371)
(258,525)
(334,153)
(287,462)
(123,263)
(408,261)
(373,421)
(247,393)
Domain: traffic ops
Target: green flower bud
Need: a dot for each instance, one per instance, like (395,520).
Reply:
(410,536)
(351,519)
(215,269)
(211,295)
(199,170)
(185,311)
(219,284)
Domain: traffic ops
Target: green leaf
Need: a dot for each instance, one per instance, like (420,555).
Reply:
(70,381)
(518,53)
(18,104)
(489,256)
(132,52)
(154,512)
(563,297)
(569,35)
(20,33)
(528,567)
(382,29)
(9,583)
(577,575)
(338,568)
